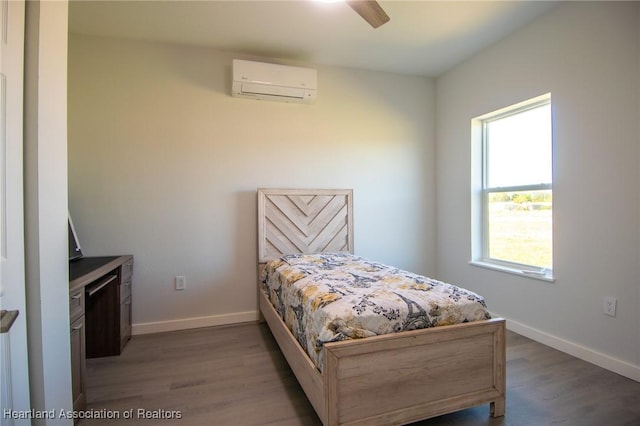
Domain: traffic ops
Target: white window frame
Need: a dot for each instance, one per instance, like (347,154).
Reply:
(480,193)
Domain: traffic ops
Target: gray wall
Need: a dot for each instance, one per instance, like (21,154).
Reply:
(164,164)
(588,56)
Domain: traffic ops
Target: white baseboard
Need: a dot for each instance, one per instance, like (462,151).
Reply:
(605,361)
(187,323)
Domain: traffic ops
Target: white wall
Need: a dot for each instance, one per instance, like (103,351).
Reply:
(588,56)
(164,164)
(45,170)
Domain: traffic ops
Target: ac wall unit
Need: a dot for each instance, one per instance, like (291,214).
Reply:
(258,80)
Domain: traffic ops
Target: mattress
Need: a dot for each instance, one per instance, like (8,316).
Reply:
(331,297)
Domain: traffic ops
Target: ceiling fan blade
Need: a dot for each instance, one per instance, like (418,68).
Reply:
(370,10)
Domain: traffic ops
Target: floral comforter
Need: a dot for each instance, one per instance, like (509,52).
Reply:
(330,297)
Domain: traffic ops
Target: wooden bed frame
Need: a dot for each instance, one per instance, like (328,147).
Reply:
(391,379)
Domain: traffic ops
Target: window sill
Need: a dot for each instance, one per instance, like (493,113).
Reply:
(548,277)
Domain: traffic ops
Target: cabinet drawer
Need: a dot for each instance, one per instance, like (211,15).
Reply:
(76,304)
(78,365)
(125,290)
(127,271)
(125,322)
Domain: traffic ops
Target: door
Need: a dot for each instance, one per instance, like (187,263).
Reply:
(15,390)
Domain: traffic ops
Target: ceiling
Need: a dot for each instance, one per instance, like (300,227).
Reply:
(423,37)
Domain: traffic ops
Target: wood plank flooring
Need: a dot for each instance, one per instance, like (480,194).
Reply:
(236,376)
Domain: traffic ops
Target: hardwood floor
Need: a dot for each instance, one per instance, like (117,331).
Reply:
(236,375)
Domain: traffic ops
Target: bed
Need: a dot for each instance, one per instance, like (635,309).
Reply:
(394,378)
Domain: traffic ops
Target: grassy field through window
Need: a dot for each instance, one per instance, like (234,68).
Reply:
(521,232)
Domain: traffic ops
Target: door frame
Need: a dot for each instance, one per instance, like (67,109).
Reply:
(15,383)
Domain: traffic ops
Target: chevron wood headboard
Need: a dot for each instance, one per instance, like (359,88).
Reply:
(304,221)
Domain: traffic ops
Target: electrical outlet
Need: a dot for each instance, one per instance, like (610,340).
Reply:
(609,307)
(181,282)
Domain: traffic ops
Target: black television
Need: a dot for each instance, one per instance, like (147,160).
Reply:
(75,251)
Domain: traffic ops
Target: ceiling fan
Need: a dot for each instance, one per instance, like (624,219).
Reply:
(370,10)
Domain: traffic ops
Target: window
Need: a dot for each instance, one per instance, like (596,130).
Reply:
(513,189)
